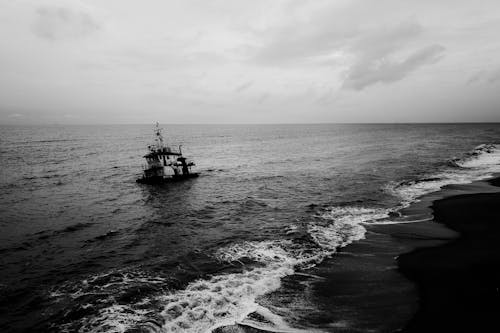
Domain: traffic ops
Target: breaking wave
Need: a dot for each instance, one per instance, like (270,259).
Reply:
(153,304)
(480,163)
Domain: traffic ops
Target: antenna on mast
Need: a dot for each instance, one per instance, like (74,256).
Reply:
(159,136)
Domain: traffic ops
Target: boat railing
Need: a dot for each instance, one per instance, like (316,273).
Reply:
(168,151)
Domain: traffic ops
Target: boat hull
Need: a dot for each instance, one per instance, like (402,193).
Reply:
(163,180)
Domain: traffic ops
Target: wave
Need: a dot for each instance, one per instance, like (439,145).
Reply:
(221,300)
(50,141)
(109,302)
(75,227)
(214,170)
(202,306)
(480,163)
(43,235)
(483,155)
(340,226)
(150,303)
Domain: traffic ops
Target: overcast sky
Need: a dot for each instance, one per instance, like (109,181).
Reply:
(242,61)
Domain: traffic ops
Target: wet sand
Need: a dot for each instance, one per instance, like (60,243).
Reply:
(458,282)
(362,288)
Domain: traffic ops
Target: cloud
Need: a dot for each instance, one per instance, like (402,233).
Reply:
(62,23)
(307,59)
(377,55)
(380,42)
(366,52)
(244,86)
(330,28)
(300,39)
(356,43)
(370,71)
(485,76)
(290,45)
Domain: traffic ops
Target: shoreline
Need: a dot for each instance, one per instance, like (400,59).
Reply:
(426,276)
(458,281)
(378,283)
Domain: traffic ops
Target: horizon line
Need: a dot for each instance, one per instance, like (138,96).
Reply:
(270,123)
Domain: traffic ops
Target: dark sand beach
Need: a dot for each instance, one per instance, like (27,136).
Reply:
(458,282)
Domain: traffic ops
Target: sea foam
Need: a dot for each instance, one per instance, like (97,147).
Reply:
(225,299)
(480,163)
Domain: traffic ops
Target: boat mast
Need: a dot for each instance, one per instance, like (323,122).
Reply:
(159,137)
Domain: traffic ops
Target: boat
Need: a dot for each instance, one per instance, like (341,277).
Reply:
(164,163)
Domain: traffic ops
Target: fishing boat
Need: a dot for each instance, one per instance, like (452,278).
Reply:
(164,163)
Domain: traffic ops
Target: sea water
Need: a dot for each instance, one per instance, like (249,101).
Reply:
(85,248)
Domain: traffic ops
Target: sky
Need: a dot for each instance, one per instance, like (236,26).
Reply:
(240,61)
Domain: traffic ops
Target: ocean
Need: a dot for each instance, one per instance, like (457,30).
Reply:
(85,248)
